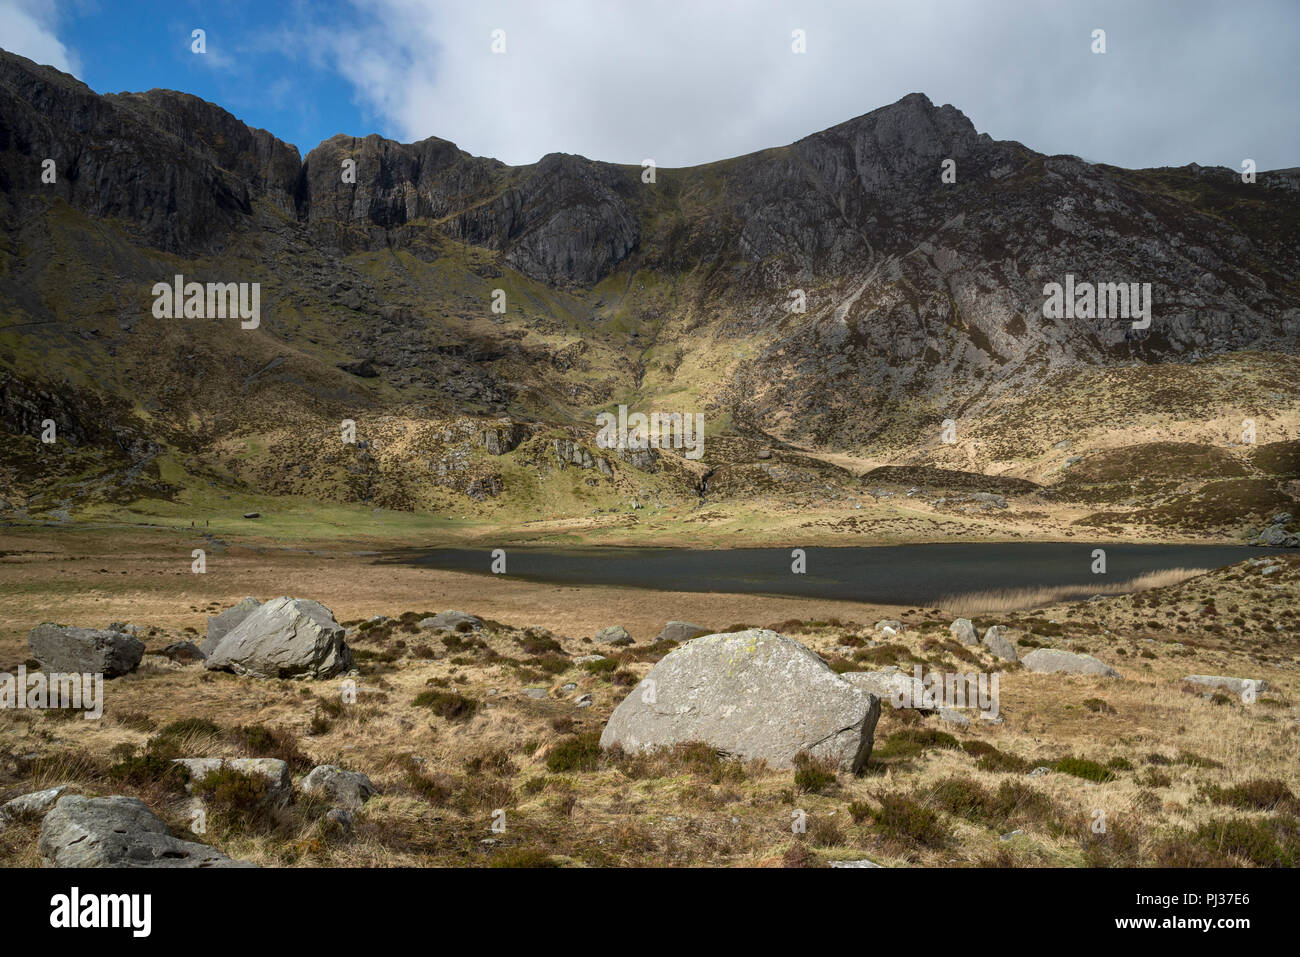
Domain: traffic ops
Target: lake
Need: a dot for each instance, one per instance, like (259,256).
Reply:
(891,574)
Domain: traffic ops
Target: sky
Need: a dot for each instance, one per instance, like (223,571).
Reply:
(684,82)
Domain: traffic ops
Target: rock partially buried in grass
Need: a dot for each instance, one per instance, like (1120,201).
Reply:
(274,771)
(30,804)
(183,652)
(749,694)
(614,635)
(285,638)
(679,631)
(221,625)
(348,789)
(118,831)
(1236,685)
(458,621)
(1053,661)
(69,650)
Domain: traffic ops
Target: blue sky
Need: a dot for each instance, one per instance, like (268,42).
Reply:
(691,81)
(256,66)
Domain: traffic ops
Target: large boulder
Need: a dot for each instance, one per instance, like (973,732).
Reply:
(285,638)
(348,789)
(70,650)
(749,694)
(221,625)
(1054,661)
(679,631)
(1235,685)
(118,832)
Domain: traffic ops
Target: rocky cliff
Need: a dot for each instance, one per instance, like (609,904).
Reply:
(922,299)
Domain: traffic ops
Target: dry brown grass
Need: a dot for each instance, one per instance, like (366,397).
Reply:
(1015,599)
(442,779)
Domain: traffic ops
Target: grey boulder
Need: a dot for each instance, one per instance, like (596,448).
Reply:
(964,631)
(285,638)
(999,645)
(1235,685)
(31,804)
(221,625)
(349,789)
(614,635)
(749,694)
(1054,661)
(70,650)
(679,631)
(459,621)
(183,652)
(118,832)
(272,770)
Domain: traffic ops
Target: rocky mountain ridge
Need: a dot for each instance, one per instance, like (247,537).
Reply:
(922,299)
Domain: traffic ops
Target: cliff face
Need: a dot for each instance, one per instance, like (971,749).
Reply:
(923,298)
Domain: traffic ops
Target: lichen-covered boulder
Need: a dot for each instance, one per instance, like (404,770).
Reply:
(749,694)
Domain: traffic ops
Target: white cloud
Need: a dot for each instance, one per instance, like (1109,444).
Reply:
(691,81)
(27,28)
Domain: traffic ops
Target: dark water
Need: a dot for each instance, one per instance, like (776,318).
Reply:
(894,574)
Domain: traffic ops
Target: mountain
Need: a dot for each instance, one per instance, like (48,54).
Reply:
(924,303)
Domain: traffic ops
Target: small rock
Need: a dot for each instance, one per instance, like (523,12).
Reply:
(183,652)
(341,818)
(457,621)
(1235,685)
(954,717)
(679,631)
(999,645)
(964,631)
(614,635)
(349,789)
